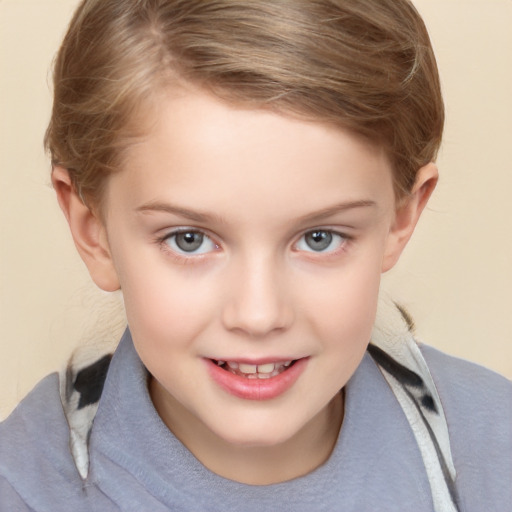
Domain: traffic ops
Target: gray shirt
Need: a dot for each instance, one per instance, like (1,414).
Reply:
(137,464)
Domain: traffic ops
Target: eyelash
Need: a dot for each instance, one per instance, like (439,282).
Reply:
(343,240)
(179,254)
(163,242)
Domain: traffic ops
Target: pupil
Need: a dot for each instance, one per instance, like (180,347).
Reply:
(319,240)
(189,241)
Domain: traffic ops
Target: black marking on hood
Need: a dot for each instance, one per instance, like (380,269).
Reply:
(90,380)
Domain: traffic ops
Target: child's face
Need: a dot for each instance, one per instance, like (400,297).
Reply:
(255,239)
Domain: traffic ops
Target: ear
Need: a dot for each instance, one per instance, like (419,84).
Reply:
(407,214)
(88,231)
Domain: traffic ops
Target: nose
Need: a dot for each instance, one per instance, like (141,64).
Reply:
(258,303)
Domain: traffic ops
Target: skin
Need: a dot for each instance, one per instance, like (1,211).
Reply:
(255,184)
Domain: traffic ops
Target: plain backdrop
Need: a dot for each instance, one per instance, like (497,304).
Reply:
(455,276)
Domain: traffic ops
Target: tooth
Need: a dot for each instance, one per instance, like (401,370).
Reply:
(288,363)
(264,375)
(247,368)
(220,363)
(266,368)
(233,365)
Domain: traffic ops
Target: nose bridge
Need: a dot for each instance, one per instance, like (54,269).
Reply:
(258,303)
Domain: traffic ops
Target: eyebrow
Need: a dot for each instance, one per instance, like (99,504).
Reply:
(196,216)
(337,208)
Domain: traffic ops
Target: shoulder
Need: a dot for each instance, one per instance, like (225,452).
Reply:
(28,424)
(471,389)
(34,448)
(478,406)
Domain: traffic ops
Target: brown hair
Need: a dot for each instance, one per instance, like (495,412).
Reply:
(364,65)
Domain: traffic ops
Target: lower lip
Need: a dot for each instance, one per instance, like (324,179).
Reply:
(256,389)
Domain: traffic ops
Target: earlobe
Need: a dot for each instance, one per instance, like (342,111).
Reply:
(408,213)
(88,231)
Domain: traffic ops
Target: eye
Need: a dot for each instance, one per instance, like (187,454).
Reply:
(190,242)
(320,240)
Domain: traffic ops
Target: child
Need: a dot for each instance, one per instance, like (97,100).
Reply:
(245,172)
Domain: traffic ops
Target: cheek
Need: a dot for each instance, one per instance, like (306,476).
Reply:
(343,307)
(164,304)
(348,289)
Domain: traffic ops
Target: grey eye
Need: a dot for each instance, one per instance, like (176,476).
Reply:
(318,240)
(189,241)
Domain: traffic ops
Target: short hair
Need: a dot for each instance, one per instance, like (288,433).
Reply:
(363,65)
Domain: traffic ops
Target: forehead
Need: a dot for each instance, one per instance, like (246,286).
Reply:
(199,149)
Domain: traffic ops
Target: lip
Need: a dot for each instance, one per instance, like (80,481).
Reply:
(256,389)
(257,362)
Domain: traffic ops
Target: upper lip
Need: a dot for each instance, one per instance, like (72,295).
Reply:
(257,361)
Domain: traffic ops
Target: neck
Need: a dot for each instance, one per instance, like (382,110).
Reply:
(308,449)
(296,457)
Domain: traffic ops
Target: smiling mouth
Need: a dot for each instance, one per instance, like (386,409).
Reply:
(255,371)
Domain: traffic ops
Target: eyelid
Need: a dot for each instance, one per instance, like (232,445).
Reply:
(179,253)
(345,239)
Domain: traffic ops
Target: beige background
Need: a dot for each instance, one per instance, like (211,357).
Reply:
(456,276)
